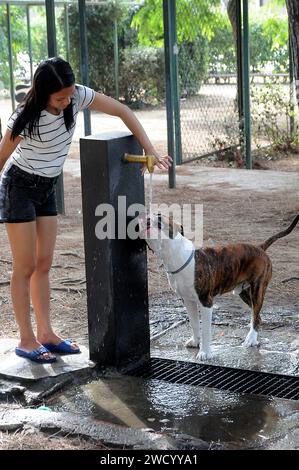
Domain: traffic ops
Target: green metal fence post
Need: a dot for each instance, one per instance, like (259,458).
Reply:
(291,76)
(29,41)
(175,80)
(169,94)
(67,32)
(246,81)
(10,61)
(51,28)
(84,59)
(240,71)
(52,52)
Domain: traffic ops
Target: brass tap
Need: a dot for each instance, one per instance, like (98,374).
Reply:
(149,160)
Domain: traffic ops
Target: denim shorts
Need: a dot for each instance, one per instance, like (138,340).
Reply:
(25,196)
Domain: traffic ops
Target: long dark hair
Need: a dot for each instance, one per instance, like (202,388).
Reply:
(51,76)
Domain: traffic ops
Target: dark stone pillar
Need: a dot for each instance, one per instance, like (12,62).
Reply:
(116,269)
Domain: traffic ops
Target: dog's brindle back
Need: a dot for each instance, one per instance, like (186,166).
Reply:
(220,269)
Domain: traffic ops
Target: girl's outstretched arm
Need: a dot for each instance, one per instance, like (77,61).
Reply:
(107,105)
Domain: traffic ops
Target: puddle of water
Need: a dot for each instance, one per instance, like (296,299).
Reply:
(208,414)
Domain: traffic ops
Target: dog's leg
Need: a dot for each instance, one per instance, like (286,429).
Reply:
(251,338)
(193,312)
(256,295)
(246,297)
(206,326)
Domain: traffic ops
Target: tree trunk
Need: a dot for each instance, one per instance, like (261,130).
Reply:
(231,11)
(293,13)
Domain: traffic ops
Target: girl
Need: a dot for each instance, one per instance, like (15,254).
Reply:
(33,149)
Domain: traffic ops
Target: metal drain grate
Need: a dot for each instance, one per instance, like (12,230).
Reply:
(223,378)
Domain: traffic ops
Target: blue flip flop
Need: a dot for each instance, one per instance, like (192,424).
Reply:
(65,347)
(36,355)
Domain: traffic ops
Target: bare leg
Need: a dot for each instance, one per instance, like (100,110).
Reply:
(46,230)
(22,237)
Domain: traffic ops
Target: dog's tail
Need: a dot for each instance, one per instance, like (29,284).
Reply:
(285,232)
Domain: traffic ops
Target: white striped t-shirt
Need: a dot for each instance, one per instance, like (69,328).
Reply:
(45,156)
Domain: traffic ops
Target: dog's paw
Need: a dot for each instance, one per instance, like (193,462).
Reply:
(192,343)
(251,341)
(204,355)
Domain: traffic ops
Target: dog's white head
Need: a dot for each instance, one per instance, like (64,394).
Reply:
(157,229)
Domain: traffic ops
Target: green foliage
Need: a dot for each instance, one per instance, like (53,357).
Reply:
(194,26)
(259,48)
(193,63)
(100,36)
(19,37)
(142,72)
(268,45)
(192,16)
(271,112)
(20,41)
(277,29)
(140,75)
(222,55)
(141,67)
(38,34)
(148,22)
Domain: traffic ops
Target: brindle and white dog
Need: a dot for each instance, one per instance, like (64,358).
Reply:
(198,275)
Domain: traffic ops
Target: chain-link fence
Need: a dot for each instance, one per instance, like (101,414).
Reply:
(209,121)
(126,60)
(208,86)
(209,112)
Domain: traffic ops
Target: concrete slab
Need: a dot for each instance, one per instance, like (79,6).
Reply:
(20,368)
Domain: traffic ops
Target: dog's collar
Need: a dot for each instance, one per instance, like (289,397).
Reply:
(184,265)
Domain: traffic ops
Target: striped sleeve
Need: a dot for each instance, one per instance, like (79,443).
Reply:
(11,121)
(85,96)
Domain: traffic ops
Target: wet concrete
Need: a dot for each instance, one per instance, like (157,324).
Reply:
(228,350)
(219,418)
(278,336)
(216,417)
(124,411)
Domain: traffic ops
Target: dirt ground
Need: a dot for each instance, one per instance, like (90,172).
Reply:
(31,439)
(228,217)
